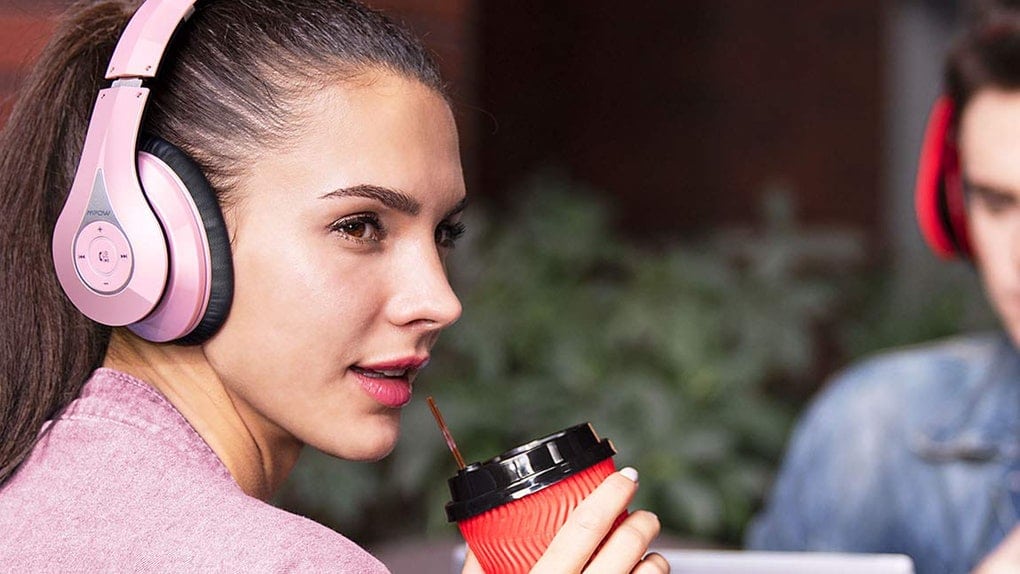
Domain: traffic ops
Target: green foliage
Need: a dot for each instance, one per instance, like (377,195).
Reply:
(666,351)
(914,306)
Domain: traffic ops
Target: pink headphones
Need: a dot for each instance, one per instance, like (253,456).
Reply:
(939,198)
(141,240)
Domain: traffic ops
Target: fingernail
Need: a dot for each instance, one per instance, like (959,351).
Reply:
(631,473)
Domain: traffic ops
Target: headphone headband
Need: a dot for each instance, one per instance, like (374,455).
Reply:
(144,41)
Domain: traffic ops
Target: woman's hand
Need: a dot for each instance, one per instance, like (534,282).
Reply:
(582,544)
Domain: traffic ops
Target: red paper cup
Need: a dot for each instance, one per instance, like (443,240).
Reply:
(510,507)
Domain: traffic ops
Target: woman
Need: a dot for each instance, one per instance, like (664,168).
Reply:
(324,135)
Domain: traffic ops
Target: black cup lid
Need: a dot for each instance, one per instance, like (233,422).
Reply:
(524,470)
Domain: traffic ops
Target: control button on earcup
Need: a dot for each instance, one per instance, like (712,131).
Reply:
(103,257)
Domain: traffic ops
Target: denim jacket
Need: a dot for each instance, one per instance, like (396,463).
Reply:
(915,451)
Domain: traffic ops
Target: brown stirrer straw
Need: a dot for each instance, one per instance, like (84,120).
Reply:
(446,433)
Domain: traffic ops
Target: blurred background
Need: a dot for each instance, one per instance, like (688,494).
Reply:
(685,215)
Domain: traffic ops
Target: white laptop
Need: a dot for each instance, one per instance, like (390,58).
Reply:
(738,562)
(735,562)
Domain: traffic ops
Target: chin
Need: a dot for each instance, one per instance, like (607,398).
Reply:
(1009,319)
(371,453)
(372,442)
(1014,334)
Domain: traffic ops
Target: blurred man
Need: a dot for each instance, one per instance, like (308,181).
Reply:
(918,451)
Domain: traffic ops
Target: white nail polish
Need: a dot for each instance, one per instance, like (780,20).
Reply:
(631,473)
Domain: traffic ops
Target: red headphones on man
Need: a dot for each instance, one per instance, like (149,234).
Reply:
(939,196)
(141,240)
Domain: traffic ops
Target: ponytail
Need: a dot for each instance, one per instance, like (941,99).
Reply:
(47,348)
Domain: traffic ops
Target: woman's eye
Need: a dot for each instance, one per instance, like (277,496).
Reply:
(361,228)
(447,234)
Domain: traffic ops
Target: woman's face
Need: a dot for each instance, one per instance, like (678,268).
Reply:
(990,156)
(339,247)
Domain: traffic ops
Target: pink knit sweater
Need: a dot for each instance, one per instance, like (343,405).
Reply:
(122,482)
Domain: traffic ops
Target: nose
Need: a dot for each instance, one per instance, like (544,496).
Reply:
(422,295)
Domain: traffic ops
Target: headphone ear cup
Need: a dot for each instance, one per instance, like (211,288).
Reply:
(938,197)
(200,287)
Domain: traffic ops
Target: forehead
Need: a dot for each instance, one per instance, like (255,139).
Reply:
(990,139)
(382,130)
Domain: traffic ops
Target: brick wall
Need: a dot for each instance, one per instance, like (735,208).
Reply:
(686,111)
(24,28)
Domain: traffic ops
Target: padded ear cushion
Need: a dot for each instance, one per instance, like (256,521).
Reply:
(222,272)
(953,202)
(939,201)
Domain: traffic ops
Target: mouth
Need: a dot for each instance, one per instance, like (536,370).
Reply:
(389,383)
(381,374)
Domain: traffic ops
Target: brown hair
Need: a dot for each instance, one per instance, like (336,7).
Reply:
(987,53)
(228,91)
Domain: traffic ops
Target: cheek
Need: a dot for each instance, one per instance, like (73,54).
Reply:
(277,281)
(994,252)
(298,307)
(983,233)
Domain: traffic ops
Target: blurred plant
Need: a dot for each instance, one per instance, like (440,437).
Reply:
(666,351)
(923,304)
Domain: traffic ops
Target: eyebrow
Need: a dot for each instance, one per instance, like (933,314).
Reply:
(391,198)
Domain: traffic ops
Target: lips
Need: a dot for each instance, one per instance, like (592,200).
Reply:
(389,383)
